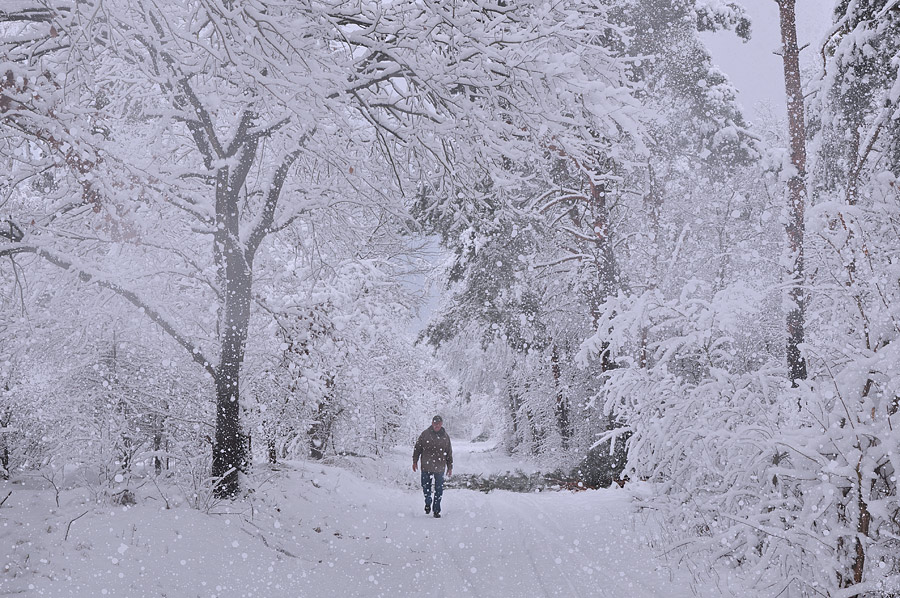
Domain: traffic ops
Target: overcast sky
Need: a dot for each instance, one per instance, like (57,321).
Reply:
(752,67)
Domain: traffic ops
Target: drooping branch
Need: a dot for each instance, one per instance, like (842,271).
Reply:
(73,153)
(33,14)
(14,233)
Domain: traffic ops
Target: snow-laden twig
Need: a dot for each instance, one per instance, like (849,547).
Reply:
(69,526)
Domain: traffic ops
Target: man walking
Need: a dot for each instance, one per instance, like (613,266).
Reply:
(434,447)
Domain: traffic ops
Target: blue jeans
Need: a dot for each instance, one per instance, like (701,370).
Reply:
(438,489)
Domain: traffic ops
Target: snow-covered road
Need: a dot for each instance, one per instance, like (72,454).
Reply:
(316,530)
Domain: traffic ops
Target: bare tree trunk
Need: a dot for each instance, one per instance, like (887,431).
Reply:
(234,258)
(4,440)
(862,528)
(229,451)
(514,403)
(158,432)
(4,451)
(653,204)
(796,315)
(533,432)
(562,406)
(271,446)
(235,275)
(607,283)
(320,429)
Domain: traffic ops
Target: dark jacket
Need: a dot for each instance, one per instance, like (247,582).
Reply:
(435,450)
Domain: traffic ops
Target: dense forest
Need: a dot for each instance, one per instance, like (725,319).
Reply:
(240,231)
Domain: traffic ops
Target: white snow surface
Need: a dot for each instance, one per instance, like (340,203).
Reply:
(355,527)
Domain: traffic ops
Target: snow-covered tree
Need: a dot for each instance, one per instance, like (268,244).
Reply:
(792,490)
(238,121)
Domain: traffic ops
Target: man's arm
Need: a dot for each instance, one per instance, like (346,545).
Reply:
(449,457)
(417,452)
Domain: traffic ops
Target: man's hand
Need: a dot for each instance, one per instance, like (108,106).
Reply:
(449,472)
(415,466)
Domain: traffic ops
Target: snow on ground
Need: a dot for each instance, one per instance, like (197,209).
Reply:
(486,459)
(321,530)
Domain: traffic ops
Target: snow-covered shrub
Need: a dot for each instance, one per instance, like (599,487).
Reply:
(26,437)
(336,373)
(791,489)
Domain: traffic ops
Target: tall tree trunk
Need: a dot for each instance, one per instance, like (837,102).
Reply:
(562,406)
(4,439)
(653,204)
(236,280)
(229,451)
(796,315)
(534,432)
(514,403)
(608,275)
(271,444)
(862,528)
(158,432)
(4,448)
(320,429)
(607,282)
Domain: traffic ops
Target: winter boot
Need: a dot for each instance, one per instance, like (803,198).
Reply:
(437,515)
(427,509)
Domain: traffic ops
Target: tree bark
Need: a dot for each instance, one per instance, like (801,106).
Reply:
(562,406)
(514,404)
(157,444)
(607,269)
(4,451)
(272,450)
(229,451)
(862,529)
(320,429)
(795,228)
(236,280)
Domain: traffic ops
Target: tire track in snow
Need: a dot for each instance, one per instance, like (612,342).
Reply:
(460,568)
(523,543)
(545,537)
(590,555)
(440,589)
(463,569)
